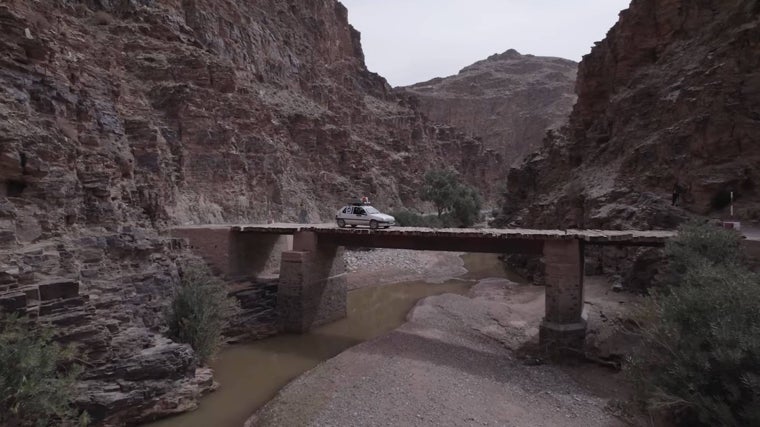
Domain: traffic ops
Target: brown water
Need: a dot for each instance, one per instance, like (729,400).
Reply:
(251,374)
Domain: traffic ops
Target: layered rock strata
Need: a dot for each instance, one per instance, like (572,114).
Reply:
(508,100)
(120,118)
(670,96)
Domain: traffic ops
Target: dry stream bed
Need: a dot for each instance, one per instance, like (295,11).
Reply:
(435,349)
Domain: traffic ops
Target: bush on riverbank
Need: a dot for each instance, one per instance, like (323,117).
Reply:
(36,375)
(700,356)
(199,311)
(413,219)
(457,204)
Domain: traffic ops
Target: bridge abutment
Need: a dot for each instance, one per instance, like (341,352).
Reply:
(563,328)
(312,287)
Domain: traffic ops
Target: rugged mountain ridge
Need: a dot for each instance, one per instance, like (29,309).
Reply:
(671,95)
(508,100)
(122,117)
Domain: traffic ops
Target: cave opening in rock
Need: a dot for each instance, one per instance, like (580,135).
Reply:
(722,199)
(14,188)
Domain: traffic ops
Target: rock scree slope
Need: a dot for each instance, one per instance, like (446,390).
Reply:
(508,100)
(120,118)
(672,94)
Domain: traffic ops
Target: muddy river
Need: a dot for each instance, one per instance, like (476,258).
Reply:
(251,374)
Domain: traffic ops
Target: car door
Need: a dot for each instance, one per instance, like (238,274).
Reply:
(348,215)
(360,216)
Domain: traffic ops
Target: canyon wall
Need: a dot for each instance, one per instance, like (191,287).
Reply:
(121,118)
(508,100)
(671,95)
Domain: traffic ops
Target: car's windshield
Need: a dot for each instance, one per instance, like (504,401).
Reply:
(371,210)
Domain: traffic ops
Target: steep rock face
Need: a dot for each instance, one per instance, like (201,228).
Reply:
(671,95)
(122,117)
(508,100)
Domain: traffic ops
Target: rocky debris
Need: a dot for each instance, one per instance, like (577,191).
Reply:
(508,100)
(669,96)
(384,266)
(379,259)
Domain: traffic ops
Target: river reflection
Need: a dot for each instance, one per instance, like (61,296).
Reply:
(251,374)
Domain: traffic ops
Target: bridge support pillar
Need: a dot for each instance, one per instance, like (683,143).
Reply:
(312,288)
(563,328)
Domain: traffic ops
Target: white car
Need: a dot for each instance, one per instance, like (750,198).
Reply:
(363,214)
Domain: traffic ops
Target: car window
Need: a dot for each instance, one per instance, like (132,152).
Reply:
(359,211)
(371,210)
(347,210)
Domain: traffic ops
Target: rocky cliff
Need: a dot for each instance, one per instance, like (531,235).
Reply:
(672,95)
(120,118)
(508,100)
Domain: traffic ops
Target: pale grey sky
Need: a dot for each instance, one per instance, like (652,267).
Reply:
(409,41)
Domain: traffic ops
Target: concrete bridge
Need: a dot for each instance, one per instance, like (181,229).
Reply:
(312,289)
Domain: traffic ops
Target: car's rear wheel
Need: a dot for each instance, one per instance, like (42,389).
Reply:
(341,223)
(373,224)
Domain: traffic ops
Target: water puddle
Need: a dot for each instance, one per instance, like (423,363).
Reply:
(251,374)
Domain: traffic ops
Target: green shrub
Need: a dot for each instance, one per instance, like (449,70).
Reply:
(412,219)
(36,377)
(440,187)
(699,244)
(199,311)
(466,207)
(457,204)
(700,355)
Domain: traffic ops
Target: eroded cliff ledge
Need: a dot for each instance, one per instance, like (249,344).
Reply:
(671,95)
(122,117)
(508,100)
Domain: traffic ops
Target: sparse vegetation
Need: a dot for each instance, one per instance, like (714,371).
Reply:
(449,196)
(413,219)
(36,376)
(700,356)
(199,311)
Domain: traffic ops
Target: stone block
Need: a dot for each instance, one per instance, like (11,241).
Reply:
(59,289)
(13,302)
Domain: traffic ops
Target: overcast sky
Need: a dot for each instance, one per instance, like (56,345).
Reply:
(410,41)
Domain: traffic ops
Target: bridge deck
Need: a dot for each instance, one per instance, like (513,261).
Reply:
(596,237)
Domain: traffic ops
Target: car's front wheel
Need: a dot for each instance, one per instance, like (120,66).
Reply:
(341,223)
(373,224)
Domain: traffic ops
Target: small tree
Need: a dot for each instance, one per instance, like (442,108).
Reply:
(440,187)
(466,206)
(448,194)
(700,356)
(199,311)
(35,384)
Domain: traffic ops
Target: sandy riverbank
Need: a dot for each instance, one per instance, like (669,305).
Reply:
(454,363)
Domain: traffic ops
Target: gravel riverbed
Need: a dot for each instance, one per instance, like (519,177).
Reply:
(453,363)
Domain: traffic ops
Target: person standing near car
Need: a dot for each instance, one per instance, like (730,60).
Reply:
(677,189)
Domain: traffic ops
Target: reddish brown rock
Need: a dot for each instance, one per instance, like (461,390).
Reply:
(121,118)
(508,100)
(672,94)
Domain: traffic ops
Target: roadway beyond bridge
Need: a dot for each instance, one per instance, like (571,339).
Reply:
(312,286)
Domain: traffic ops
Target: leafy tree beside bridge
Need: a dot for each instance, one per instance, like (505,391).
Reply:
(450,196)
